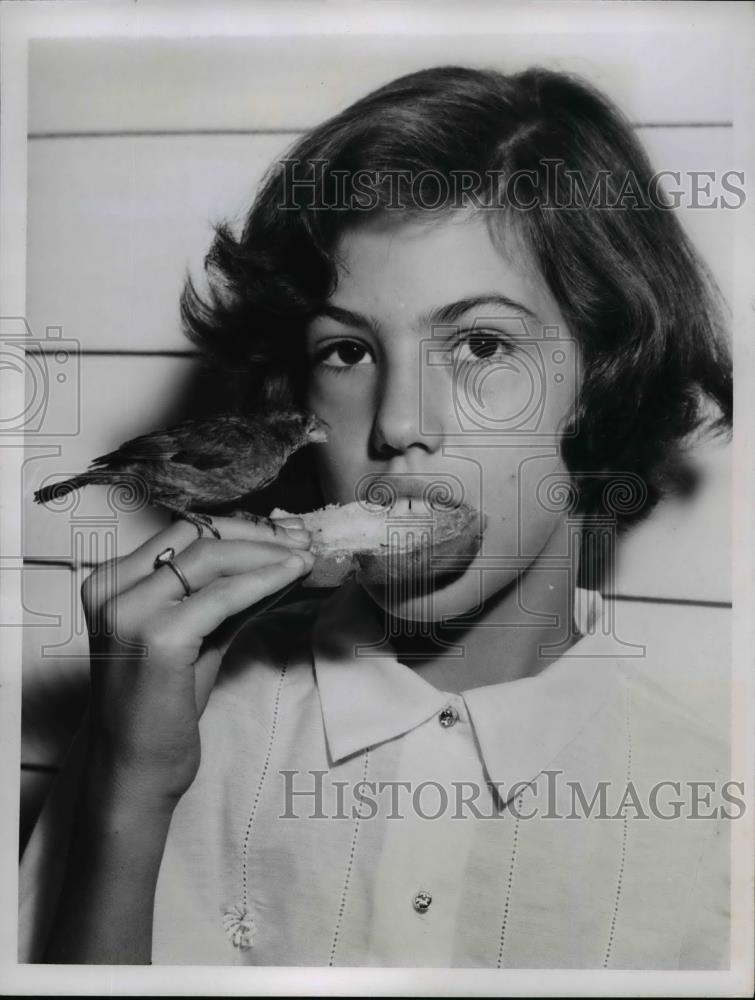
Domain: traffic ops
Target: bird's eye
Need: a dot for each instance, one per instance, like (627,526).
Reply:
(344,354)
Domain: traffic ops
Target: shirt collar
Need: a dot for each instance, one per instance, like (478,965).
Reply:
(368,697)
(523,725)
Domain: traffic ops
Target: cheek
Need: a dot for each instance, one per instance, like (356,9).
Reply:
(524,495)
(506,390)
(345,402)
(339,461)
(525,393)
(336,468)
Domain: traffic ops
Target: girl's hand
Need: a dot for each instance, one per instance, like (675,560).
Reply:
(156,652)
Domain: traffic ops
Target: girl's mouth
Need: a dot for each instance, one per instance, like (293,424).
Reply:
(418,506)
(413,495)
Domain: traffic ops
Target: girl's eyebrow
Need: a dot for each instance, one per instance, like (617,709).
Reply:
(346,317)
(442,314)
(454,310)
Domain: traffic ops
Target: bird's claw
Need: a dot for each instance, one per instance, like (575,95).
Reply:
(200,522)
(247,515)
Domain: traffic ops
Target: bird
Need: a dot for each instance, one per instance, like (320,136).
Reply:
(202,463)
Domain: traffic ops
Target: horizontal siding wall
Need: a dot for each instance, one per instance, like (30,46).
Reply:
(135,149)
(293,82)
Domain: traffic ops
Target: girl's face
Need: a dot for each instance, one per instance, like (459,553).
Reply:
(442,358)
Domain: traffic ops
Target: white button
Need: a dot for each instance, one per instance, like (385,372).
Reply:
(421,901)
(448,717)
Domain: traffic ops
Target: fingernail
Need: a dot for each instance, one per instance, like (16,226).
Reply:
(288,522)
(299,534)
(299,559)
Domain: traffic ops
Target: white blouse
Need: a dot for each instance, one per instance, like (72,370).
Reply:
(346,812)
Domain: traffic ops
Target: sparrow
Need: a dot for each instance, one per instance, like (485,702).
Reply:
(202,463)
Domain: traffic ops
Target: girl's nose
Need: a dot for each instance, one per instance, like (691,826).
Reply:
(409,409)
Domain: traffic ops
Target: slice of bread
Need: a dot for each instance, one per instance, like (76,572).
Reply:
(379,544)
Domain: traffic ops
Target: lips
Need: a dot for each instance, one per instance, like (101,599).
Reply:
(414,506)
(412,495)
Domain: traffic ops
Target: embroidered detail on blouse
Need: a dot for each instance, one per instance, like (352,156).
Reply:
(512,864)
(239,926)
(624,835)
(349,866)
(237,921)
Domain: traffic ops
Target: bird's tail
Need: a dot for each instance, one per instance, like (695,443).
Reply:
(57,490)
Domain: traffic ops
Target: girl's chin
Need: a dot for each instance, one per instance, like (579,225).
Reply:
(461,596)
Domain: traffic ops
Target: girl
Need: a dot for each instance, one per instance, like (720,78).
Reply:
(473,279)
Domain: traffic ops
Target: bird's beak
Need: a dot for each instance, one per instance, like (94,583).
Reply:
(317,432)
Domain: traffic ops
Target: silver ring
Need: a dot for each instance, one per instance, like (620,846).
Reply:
(167,558)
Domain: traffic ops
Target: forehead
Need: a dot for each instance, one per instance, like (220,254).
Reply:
(394,265)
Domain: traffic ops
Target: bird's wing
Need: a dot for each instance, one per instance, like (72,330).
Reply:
(189,443)
(202,458)
(213,443)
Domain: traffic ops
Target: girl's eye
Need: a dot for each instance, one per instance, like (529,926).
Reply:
(481,345)
(343,354)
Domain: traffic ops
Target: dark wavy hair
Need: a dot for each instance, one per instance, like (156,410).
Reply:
(633,291)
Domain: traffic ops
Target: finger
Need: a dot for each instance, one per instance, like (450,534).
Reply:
(206,610)
(118,576)
(288,521)
(202,562)
(247,515)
